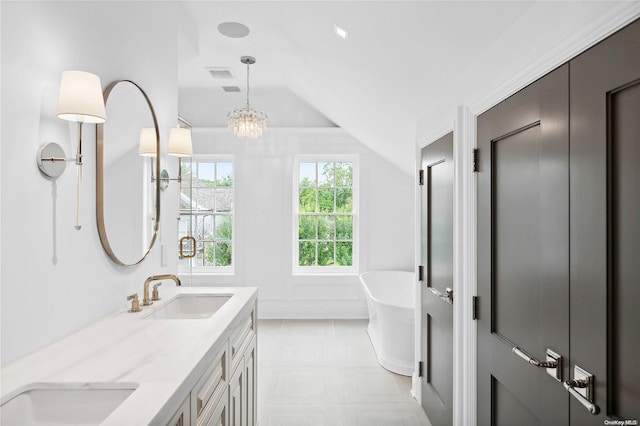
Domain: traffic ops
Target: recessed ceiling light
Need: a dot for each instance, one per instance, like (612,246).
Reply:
(340,32)
(233,29)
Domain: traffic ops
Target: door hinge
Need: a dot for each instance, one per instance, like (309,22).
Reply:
(475,160)
(420,368)
(420,177)
(474,307)
(420,273)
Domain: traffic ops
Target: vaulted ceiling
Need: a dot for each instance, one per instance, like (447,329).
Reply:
(394,82)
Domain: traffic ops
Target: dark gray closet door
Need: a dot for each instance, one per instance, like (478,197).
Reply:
(523,254)
(605,225)
(437,261)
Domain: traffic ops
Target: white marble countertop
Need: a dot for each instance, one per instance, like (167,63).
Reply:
(163,357)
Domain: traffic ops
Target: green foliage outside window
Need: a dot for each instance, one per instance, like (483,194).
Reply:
(325,214)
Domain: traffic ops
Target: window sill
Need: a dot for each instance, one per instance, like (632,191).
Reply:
(325,273)
(208,273)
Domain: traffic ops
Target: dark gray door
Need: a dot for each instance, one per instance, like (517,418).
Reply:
(437,282)
(553,219)
(605,225)
(523,254)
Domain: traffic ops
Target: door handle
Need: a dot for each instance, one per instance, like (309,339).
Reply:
(553,364)
(447,296)
(581,388)
(183,254)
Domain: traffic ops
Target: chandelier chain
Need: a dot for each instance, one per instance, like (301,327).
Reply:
(248,87)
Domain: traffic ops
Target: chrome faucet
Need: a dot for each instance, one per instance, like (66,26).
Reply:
(145,300)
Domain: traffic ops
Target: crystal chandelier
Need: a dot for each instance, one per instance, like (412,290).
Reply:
(247,123)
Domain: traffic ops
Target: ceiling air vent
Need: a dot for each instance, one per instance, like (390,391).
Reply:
(220,73)
(231,88)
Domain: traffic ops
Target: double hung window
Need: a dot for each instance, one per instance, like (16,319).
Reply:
(325,228)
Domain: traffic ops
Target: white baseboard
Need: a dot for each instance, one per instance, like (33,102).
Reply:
(309,310)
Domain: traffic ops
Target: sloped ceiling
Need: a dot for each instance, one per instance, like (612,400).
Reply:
(401,72)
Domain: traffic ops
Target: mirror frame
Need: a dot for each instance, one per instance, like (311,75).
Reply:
(100,179)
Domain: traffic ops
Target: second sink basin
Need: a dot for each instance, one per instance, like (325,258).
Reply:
(190,306)
(64,403)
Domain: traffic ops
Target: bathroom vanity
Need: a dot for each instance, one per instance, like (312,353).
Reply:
(189,359)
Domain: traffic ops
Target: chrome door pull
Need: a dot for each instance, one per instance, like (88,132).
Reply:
(581,388)
(553,364)
(447,296)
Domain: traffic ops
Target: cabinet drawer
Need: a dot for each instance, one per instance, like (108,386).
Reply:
(241,338)
(210,386)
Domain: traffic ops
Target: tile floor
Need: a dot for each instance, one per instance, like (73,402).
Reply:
(324,372)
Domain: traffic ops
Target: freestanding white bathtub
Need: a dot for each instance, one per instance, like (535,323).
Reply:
(390,298)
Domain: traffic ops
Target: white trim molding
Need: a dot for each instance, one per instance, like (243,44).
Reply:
(464,278)
(416,381)
(312,309)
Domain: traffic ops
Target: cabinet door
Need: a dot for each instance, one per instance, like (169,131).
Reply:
(237,416)
(183,416)
(251,388)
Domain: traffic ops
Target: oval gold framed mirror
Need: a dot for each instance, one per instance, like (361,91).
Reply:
(127,192)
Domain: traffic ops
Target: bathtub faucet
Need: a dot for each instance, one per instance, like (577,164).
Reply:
(145,300)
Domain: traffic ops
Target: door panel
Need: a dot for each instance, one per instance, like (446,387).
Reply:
(439,182)
(605,235)
(523,281)
(509,407)
(437,257)
(439,379)
(517,238)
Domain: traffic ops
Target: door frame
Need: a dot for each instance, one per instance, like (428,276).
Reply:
(465,205)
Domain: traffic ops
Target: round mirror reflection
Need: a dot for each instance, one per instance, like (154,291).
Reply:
(127,195)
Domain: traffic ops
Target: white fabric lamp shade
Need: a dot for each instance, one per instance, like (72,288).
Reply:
(180,142)
(81,98)
(148,142)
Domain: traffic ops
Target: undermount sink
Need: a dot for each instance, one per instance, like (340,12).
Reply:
(190,306)
(64,403)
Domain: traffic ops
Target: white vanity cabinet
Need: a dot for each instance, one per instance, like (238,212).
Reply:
(177,370)
(226,393)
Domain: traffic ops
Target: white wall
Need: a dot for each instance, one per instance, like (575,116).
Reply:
(54,279)
(263,217)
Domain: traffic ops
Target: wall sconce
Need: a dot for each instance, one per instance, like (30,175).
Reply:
(180,145)
(80,100)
